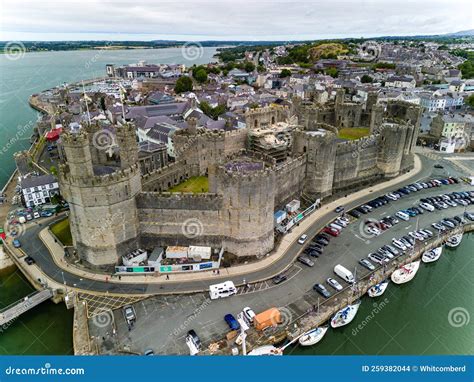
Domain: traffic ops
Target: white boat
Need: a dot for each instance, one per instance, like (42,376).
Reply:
(345,316)
(405,273)
(266,350)
(313,336)
(431,256)
(378,289)
(454,241)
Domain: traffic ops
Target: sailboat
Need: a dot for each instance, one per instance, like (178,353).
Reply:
(345,316)
(431,256)
(313,336)
(378,289)
(405,273)
(454,240)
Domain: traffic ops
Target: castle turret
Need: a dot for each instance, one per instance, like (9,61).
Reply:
(127,142)
(103,215)
(320,149)
(390,149)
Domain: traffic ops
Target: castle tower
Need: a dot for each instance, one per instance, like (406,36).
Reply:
(371,101)
(103,215)
(320,149)
(22,160)
(127,142)
(390,148)
(340,96)
(248,204)
(76,149)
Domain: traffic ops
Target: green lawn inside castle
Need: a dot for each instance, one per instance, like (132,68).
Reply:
(352,133)
(195,184)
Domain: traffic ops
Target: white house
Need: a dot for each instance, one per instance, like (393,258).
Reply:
(37,190)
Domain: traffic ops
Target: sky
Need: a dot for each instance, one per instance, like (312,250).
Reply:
(190,20)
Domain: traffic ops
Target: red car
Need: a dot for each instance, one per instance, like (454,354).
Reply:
(332,231)
(383,226)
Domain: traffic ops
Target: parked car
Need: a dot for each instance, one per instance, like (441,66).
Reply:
(279,279)
(232,322)
(334,283)
(306,261)
(366,264)
(248,314)
(339,209)
(194,338)
(149,352)
(16,243)
(437,165)
(302,239)
(321,290)
(29,260)
(46,214)
(332,231)
(129,314)
(354,213)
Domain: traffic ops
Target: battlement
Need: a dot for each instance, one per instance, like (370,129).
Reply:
(163,170)
(79,138)
(179,201)
(117,176)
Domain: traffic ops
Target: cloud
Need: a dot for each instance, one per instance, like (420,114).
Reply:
(226,20)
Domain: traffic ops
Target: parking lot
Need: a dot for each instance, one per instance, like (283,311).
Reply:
(163,322)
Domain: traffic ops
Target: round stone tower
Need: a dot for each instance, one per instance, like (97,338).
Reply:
(320,149)
(248,190)
(392,141)
(103,214)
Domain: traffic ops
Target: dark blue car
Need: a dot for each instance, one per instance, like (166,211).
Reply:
(232,322)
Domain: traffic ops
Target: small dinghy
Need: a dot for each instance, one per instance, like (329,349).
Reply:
(313,336)
(266,350)
(454,241)
(405,273)
(378,289)
(431,256)
(345,316)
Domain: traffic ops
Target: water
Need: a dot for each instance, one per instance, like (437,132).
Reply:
(419,317)
(47,329)
(34,72)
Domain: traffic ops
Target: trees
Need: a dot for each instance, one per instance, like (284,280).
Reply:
(212,112)
(200,75)
(332,72)
(470,100)
(285,73)
(183,84)
(366,79)
(249,66)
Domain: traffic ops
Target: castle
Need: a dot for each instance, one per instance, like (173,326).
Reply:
(282,154)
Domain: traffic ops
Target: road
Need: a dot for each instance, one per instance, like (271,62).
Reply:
(34,247)
(164,320)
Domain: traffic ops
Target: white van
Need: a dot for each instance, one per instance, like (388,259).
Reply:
(402,215)
(344,273)
(225,289)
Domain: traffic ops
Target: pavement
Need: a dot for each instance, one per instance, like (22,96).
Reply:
(163,321)
(48,254)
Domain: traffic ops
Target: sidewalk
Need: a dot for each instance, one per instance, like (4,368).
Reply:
(57,251)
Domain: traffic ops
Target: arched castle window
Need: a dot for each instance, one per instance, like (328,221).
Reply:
(273,120)
(255,123)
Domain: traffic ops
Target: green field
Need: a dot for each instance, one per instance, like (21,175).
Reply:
(195,184)
(352,133)
(63,232)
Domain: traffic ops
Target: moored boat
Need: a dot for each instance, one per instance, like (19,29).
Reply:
(345,316)
(378,289)
(313,336)
(266,350)
(454,240)
(405,273)
(431,256)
